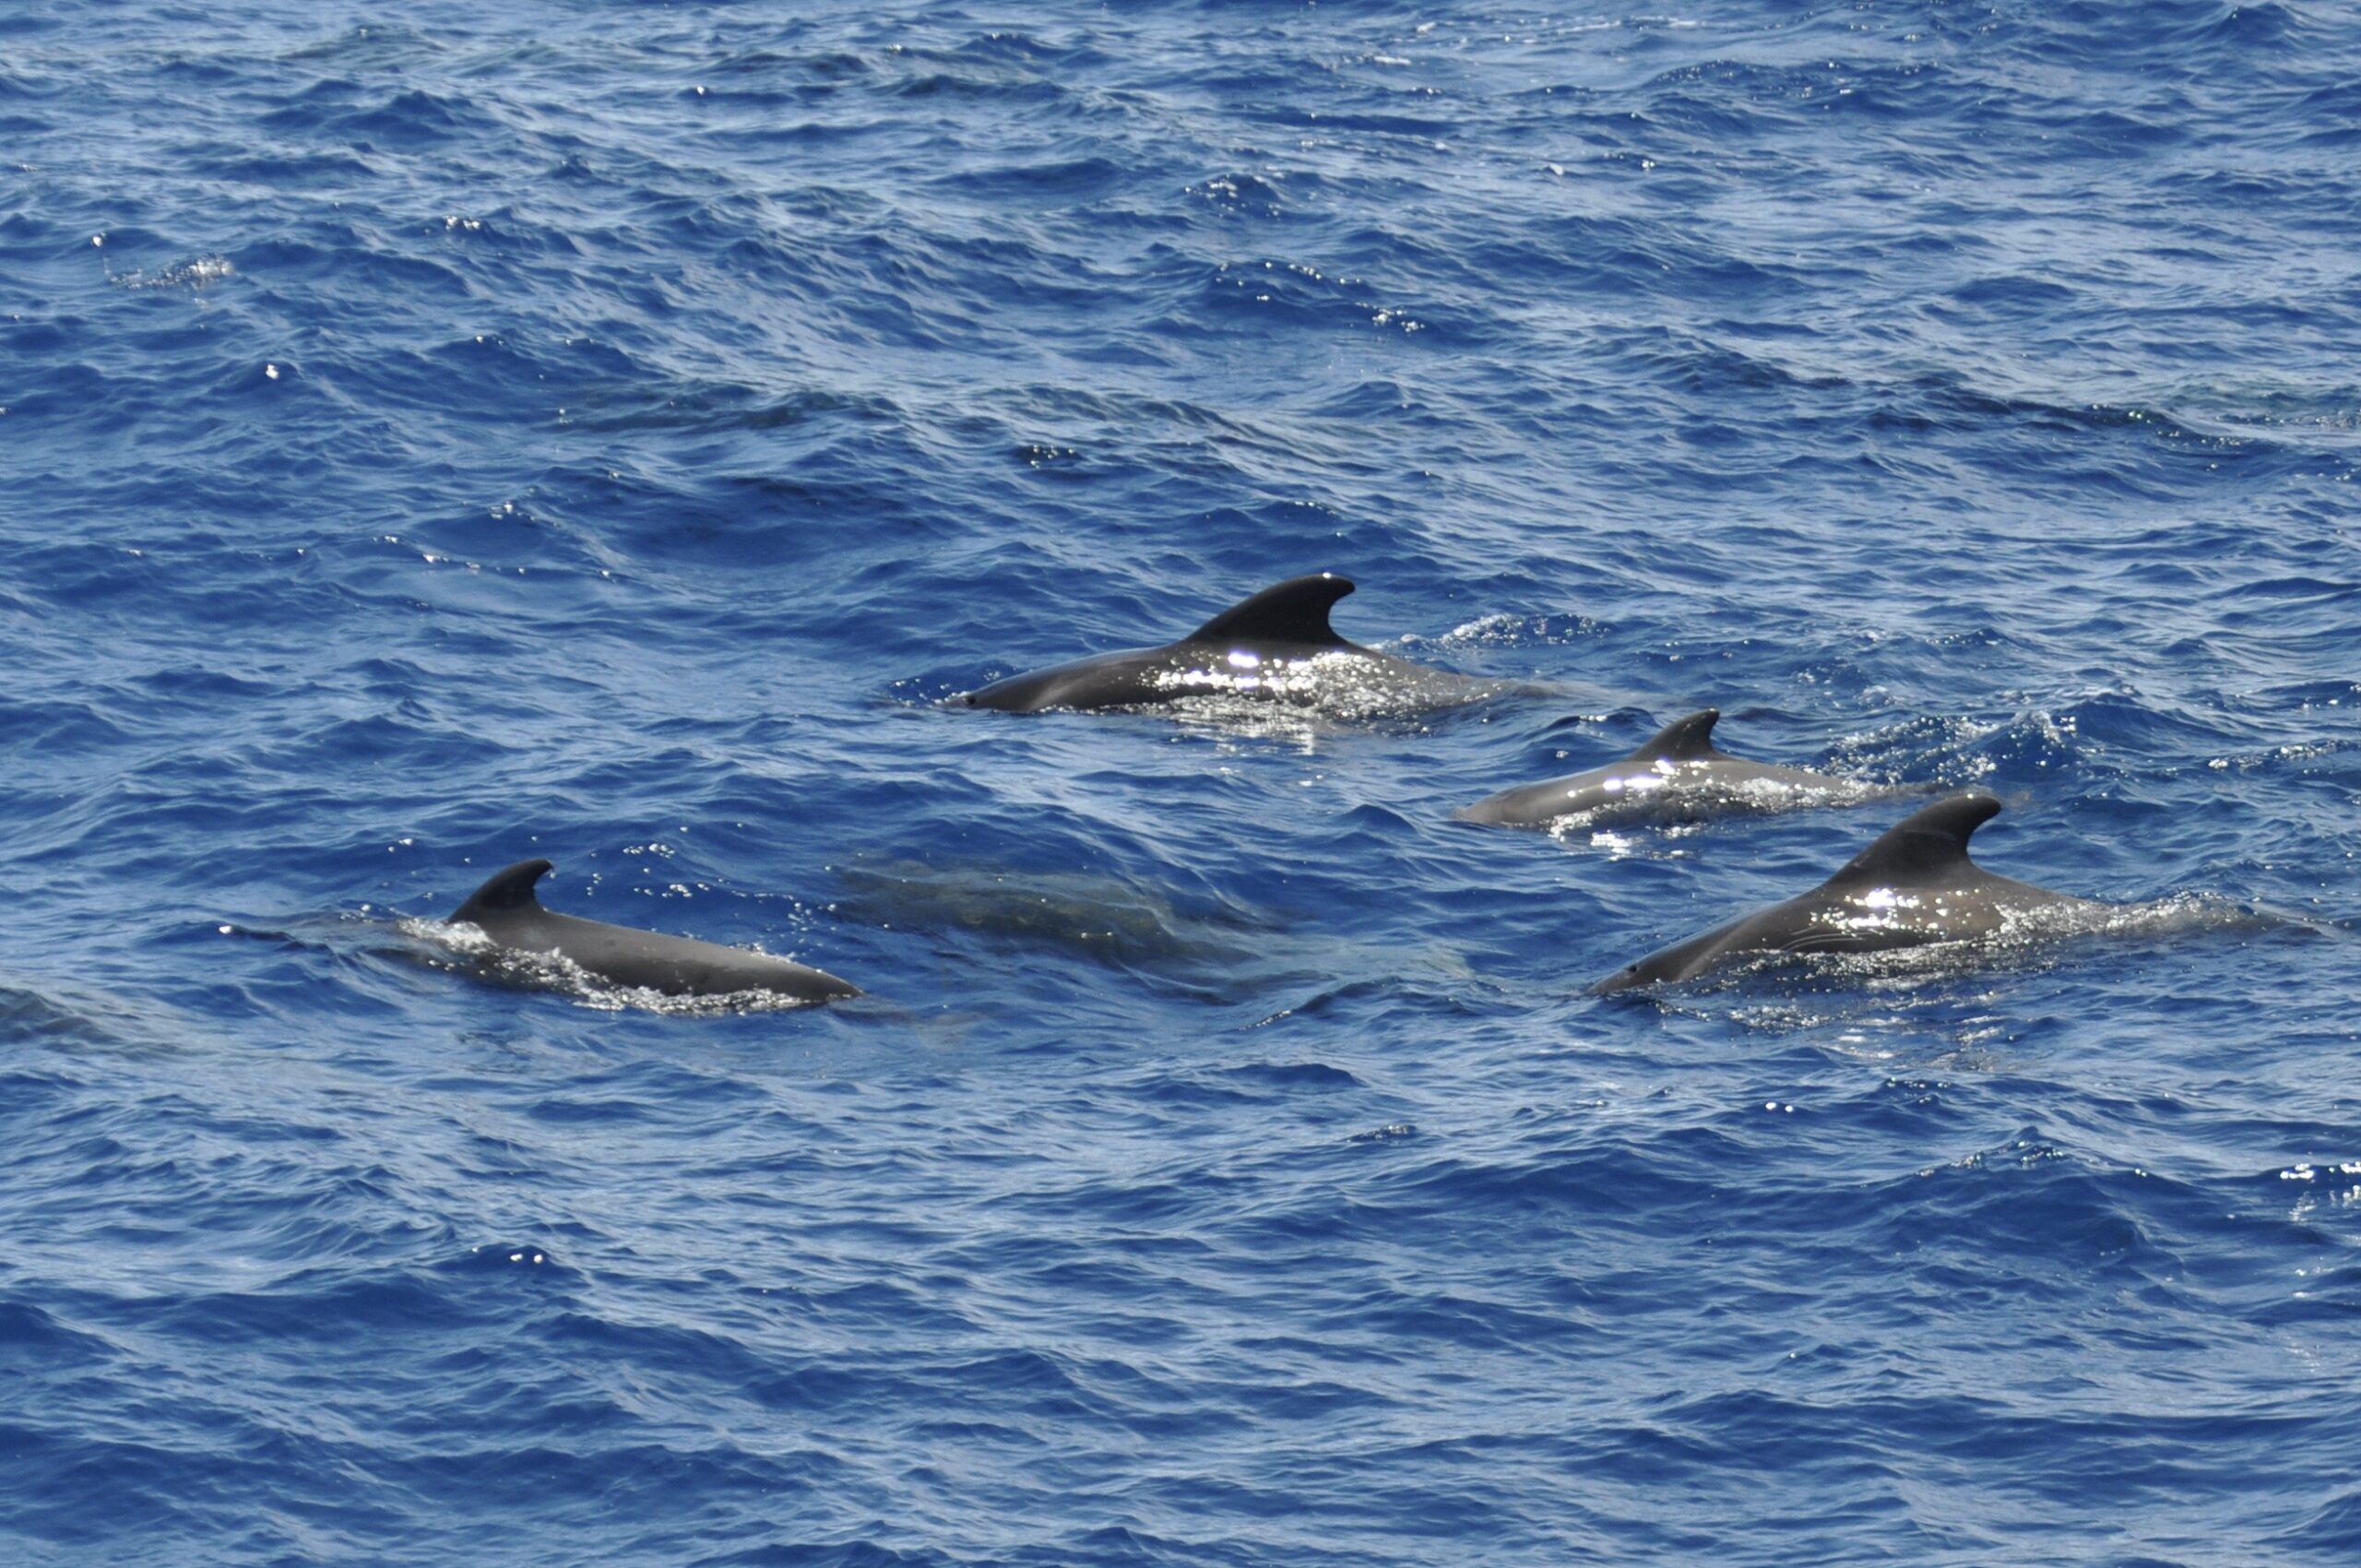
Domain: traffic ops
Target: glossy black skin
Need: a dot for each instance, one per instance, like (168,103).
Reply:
(1915,885)
(1277,645)
(507,911)
(1680,760)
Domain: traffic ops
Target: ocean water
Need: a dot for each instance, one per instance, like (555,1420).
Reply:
(433,435)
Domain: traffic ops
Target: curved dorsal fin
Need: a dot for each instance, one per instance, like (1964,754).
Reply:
(510,889)
(1292,611)
(1683,740)
(1928,843)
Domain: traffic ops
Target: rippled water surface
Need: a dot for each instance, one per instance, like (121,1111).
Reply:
(434,436)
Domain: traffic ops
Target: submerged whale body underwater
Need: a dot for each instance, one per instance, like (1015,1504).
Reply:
(1912,887)
(507,911)
(1677,770)
(1274,647)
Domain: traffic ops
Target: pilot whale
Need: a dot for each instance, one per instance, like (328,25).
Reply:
(1914,886)
(507,911)
(1678,768)
(1276,647)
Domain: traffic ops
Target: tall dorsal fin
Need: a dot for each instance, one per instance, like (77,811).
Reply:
(510,889)
(1928,843)
(1683,740)
(1292,611)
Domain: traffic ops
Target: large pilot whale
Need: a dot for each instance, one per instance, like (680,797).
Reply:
(505,909)
(1914,886)
(1678,769)
(1277,645)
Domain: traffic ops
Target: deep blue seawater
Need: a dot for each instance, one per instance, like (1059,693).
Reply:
(437,434)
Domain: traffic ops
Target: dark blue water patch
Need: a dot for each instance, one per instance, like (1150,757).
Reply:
(2333,1526)
(406,122)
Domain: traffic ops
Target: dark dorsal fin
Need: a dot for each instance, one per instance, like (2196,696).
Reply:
(1683,740)
(510,889)
(1929,843)
(1292,611)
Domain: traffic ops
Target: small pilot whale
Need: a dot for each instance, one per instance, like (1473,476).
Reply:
(505,909)
(1678,768)
(1277,647)
(1914,886)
